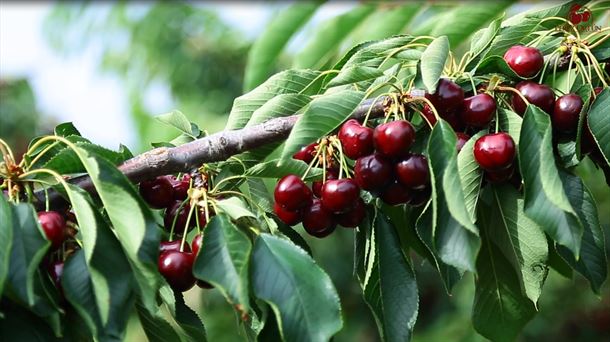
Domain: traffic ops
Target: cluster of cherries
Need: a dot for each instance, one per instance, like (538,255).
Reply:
(176,258)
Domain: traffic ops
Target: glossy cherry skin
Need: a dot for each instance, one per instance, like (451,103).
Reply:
(478,110)
(372,172)
(158,192)
(318,221)
(447,98)
(182,213)
(291,218)
(354,217)
(413,171)
(177,268)
(396,193)
(291,193)
(166,246)
(495,151)
(306,153)
(393,139)
(537,94)
(340,195)
(316,186)
(566,113)
(356,140)
(196,244)
(54,227)
(428,115)
(525,61)
(500,176)
(420,197)
(462,138)
(181,187)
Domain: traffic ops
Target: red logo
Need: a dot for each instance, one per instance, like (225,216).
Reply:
(579,14)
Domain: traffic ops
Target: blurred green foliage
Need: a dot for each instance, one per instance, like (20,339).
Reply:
(18,114)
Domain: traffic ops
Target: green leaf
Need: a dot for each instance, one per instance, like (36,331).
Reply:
(235,208)
(390,289)
(520,239)
(510,122)
(322,116)
(270,43)
(155,327)
(497,64)
(592,263)
(189,320)
(483,37)
(433,61)
(66,161)
(355,74)
(384,23)
(599,122)
(372,54)
(223,260)
(328,37)
(279,106)
(470,175)
(270,169)
(6,239)
(545,199)
(66,129)
(285,82)
(303,298)
(177,120)
(260,194)
(456,237)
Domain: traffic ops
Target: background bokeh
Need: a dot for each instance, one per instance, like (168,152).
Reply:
(110,67)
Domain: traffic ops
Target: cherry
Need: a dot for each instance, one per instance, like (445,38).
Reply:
(196,244)
(177,268)
(428,114)
(372,172)
(292,193)
(356,140)
(413,171)
(525,61)
(318,221)
(54,227)
(340,195)
(495,151)
(447,98)
(500,176)
(166,246)
(181,187)
(462,138)
(352,218)
(183,214)
(598,90)
(393,139)
(287,216)
(396,193)
(537,94)
(566,113)
(478,110)
(316,186)
(420,197)
(158,192)
(306,153)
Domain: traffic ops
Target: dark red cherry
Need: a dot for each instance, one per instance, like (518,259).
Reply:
(420,197)
(494,151)
(292,193)
(352,218)
(196,244)
(566,113)
(316,186)
(54,227)
(598,90)
(291,218)
(181,216)
(177,268)
(166,246)
(181,186)
(447,98)
(428,115)
(393,139)
(537,94)
(453,119)
(478,111)
(356,140)
(525,61)
(306,153)
(158,192)
(500,176)
(396,193)
(413,171)
(340,195)
(462,138)
(318,221)
(372,172)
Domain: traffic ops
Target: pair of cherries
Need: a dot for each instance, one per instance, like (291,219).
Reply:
(176,265)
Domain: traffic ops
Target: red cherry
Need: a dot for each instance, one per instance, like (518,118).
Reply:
(316,186)
(158,193)
(420,197)
(196,244)
(494,151)
(447,98)
(566,113)
(393,139)
(454,121)
(292,193)
(396,194)
(500,176)
(413,171)
(306,153)
(429,114)
(166,246)
(538,94)
(478,110)
(181,186)
(352,218)
(372,172)
(183,214)
(598,90)
(318,221)
(340,195)
(462,138)
(525,61)
(291,218)
(177,268)
(356,140)
(54,227)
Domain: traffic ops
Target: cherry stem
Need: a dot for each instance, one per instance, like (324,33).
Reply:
(171,231)
(596,33)
(595,65)
(474,88)
(368,113)
(6,150)
(503,88)
(188,221)
(226,180)
(316,160)
(546,64)
(438,118)
(576,33)
(324,73)
(46,199)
